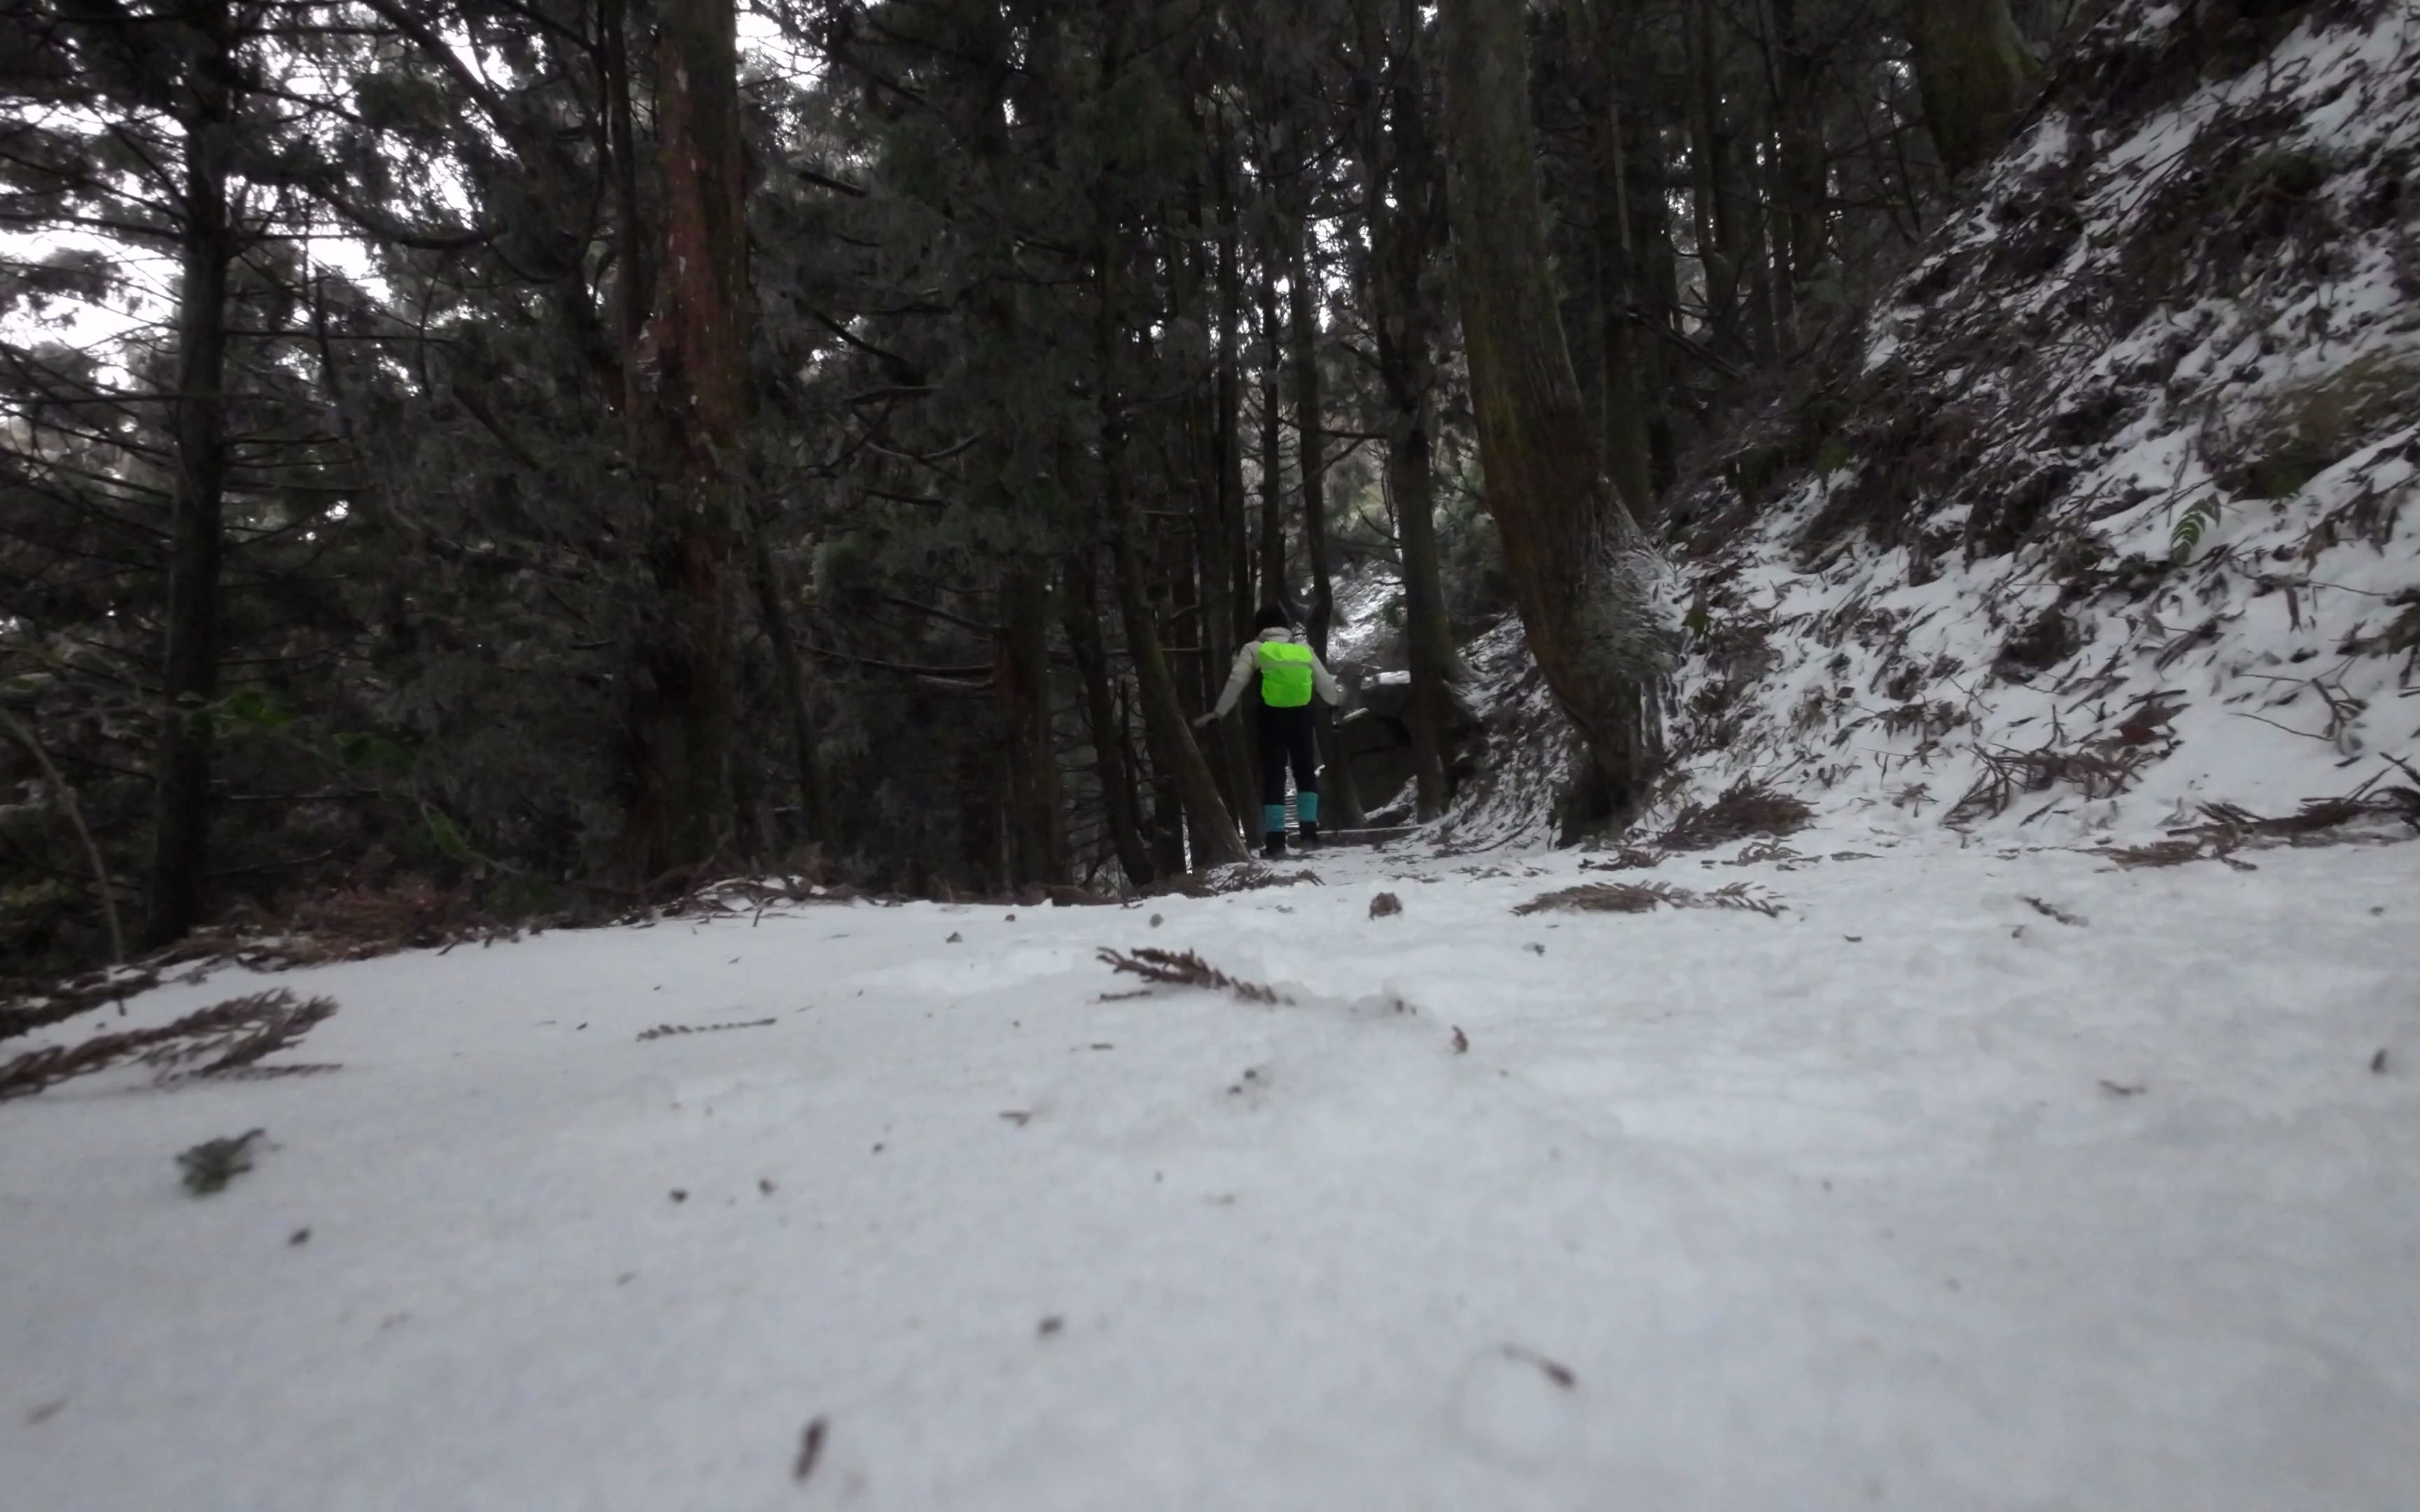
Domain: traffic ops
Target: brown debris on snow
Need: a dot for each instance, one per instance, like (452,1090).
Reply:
(1183,968)
(1747,809)
(231,1036)
(1645,897)
(2052,910)
(2366,813)
(663,1030)
(1225,880)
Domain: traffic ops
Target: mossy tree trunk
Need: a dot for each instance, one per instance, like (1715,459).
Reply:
(1581,568)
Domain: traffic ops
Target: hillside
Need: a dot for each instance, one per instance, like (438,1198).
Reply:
(2111,510)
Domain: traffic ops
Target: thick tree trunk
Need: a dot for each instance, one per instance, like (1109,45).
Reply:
(1975,74)
(189,668)
(1581,569)
(689,407)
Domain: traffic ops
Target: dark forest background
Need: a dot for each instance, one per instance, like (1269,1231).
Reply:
(540,455)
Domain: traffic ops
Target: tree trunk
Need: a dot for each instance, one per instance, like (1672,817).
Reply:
(1404,208)
(1273,551)
(1581,569)
(1715,188)
(687,410)
(1166,733)
(1975,74)
(189,668)
(1231,549)
(1311,439)
(1341,794)
(1037,828)
(1081,616)
(790,671)
(1801,166)
(1627,458)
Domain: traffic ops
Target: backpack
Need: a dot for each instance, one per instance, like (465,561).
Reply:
(1285,674)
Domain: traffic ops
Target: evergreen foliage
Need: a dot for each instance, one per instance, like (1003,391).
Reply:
(558,452)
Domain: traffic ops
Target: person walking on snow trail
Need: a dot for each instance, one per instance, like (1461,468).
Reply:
(1288,673)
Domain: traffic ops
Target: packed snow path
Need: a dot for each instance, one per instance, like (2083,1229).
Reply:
(1913,1196)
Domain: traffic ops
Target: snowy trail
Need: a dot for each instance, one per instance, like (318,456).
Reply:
(1716,1211)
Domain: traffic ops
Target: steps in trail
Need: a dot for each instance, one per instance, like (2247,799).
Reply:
(1339,838)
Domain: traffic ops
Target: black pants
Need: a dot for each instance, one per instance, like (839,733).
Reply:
(1288,736)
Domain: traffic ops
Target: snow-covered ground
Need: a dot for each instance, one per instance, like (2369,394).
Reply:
(1913,1195)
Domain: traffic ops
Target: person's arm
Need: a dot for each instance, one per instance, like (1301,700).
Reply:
(1245,666)
(1323,682)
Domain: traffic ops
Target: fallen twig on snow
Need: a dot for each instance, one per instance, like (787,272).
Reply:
(1183,968)
(2050,910)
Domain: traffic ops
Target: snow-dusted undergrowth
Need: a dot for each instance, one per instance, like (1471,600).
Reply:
(2116,510)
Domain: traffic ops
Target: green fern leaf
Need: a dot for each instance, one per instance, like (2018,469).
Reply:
(2191,527)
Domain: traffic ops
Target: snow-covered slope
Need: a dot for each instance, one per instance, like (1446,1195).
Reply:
(1964,1180)
(2113,509)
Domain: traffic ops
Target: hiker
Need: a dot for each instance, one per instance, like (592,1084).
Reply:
(1287,673)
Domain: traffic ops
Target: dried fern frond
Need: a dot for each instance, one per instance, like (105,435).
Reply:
(1628,859)
(40,1008)
(1645,897)
(1183,968)
(1602,898)
(1740,895)
(230,1036)
(661,1030)
(240,1031)
(1224,880)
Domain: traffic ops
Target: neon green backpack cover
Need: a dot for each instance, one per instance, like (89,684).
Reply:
(1285,675)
